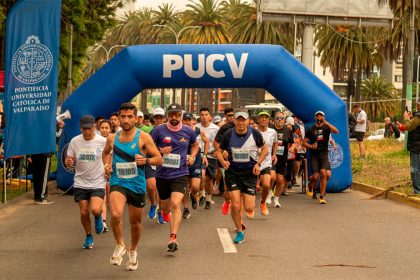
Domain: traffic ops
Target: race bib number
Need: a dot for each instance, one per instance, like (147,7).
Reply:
(126,170)
(171,161)
(320,136)
(240,155)
(87,156)
(280,150)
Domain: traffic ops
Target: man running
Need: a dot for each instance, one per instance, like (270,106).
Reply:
(173,140)
(242,168)
(128,182)
(316,139)
(210,129)
(85,154)
(270,139)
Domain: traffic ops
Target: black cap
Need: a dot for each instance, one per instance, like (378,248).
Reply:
(174,107)
(187,116)
(87,121)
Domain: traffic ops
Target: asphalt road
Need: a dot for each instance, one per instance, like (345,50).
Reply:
(349,238)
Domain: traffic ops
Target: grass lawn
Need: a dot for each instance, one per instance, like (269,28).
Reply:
(387,164)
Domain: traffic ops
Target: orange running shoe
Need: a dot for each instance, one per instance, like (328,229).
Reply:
(225,207)
(264,209)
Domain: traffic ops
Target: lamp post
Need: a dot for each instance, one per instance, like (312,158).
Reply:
(110,49)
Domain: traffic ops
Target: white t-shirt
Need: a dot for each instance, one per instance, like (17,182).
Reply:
(88,162)
(361,127)
(210,132)
(269,136)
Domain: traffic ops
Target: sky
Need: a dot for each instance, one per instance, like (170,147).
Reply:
(179,4)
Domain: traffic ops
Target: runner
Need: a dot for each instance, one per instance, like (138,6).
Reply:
(128,182)
(284,145)
(173,140)
(194,176)
(270,139)
(316,139)
(115,123)
(85,154)
(242,168)
(105,130)
(210,129)
(140,125)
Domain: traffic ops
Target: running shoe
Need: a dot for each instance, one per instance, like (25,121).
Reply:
(225,207)
(277,204)
(309,192)
(285,193)
(172,245)
(194,203)
(186,213)
(88,244)
(314,195)
(322,200)
(166,217)
(105,227)
(264,209)
(153,211)
(240,237)
(43,202)
(208,205)
(117,256)
(160,218)
(250,214)
(99,225)
(202,201)
(132,263)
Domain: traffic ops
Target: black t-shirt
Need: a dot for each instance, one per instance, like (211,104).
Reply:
(284,139)
(222,131)
(319,135)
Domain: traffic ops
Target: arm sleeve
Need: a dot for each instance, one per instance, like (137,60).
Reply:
(413,124)
(259,140)
(71,150)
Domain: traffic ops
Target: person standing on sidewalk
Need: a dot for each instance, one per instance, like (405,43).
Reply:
(85,154)
(360,129)
(413,145)
(242,168)
(129,148)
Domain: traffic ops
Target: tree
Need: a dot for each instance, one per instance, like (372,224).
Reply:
(379,89)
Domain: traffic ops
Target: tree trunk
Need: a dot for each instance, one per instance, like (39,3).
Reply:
(358,84)
(350,77)
(144,95)
(404,77)
(216,100)
(162,98)
(183,99)
(174,95)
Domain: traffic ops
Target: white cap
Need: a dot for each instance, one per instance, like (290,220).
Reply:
(140,114)
(319,112)
(158,112)
(217,119)
(290,120)
(244,115)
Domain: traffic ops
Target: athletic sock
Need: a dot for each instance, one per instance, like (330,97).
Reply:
(208,197)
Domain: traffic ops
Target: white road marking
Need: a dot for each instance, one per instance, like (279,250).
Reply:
(227,243)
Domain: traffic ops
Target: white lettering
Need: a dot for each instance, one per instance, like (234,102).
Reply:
(237,70)
(189,67)
(210,65)
(171,62)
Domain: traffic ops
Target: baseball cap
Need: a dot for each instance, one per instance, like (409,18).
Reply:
(290,120)
(319,112)
(159,112)
(187,116)
(87,121)
(217,119)
(174,107)
(140,114)
(264,113)
(241,114)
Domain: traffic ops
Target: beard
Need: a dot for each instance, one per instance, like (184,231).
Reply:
(174,122)
(127,126)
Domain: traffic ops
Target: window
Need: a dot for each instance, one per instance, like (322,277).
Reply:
(398,78)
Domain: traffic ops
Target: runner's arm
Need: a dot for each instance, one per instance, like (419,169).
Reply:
(206,142)
(151,150)
(109,145)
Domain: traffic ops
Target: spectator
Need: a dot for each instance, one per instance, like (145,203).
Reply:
(360,128)
(391,129)
(352,125)
(412,125)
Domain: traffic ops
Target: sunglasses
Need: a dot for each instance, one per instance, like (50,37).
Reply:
(229,115)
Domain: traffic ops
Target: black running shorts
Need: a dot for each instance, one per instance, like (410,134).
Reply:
(242,180)
(320,161)
(167,186)
(85,194)
(135,199)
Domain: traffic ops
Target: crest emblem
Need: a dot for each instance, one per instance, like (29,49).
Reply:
(335,155)
(32,62)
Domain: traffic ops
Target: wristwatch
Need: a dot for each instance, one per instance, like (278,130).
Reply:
(147,161)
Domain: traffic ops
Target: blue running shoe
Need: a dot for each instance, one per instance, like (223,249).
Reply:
(88,244)
(240,237)
(160,218)
(153,211)
(99,225)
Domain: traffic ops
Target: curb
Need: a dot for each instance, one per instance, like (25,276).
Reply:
(391,195)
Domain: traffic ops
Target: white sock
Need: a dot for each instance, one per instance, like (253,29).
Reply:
(203,193)
(208,197)
(276,199)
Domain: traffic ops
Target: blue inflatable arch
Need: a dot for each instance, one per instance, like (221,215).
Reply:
(209,66)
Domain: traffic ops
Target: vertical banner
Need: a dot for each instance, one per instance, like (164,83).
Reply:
(32,47)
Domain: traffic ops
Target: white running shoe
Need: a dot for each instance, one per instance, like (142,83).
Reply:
(117,257)
(277,204)
(132,262)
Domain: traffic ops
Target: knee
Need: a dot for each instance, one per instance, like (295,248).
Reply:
(97,211)
(116,217)
(323,173)
(315,177)
(84,213)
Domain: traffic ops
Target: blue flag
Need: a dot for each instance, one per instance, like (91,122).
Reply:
(31,78)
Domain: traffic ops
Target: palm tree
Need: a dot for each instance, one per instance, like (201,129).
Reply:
(378,88)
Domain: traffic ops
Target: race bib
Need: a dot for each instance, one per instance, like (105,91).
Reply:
(126,170)
(290,155)
(171,161)
(240,155)
(320,136)
(280,150)
(87,155)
